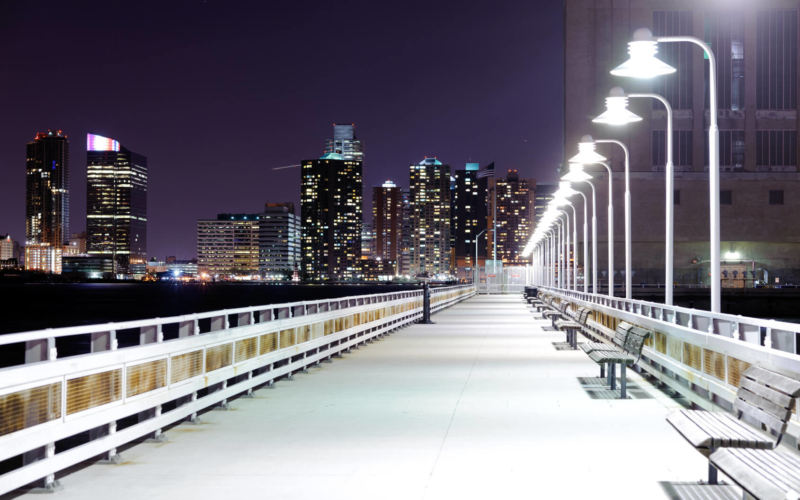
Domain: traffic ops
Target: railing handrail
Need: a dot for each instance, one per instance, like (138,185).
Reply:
(14,338)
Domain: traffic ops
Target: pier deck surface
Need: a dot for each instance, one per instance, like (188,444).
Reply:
(486,403)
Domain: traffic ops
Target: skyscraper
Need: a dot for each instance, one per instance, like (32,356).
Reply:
(387,220)
(229,244)
(116,204)
(469,219)
(430,217)
(345,143)
(331,217)
(515,214)
(47,190)
(279,239)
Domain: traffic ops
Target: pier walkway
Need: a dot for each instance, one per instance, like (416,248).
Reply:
(486,403)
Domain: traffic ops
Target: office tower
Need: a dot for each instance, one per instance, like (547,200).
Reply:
(47,190)
(330,209)
(229,245)
(345,143)
(430,217)
(279,240)
(405,241)
(43,257)
(469,220)
(116,205)
(9,249)
(387,220)
(515,199)
(367,241)
(756,51)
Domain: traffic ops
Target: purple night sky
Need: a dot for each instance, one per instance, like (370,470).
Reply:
(217,93)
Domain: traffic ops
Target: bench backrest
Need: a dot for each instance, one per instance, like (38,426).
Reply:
(635,340)
(583,315)
(563,306)
(768,397)
(621,334)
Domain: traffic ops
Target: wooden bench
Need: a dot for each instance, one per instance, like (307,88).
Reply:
(764,397)
(557,313)
(626,350)
(763,474)
(542,302)
(573,325)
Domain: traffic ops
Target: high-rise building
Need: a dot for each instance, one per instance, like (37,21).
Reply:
(469,219)
(331,216)
(345,143)
(229,244)
(43,257)
(116,205)
(756,47)
(430,217)
(515,199)
(405,241)
(544,195)
(387,221)
(279,240)
(47,190)
(9,253)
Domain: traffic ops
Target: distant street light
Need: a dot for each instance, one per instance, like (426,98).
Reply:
(565,190)
(576,174)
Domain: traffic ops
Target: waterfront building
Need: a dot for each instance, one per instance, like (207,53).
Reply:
(43,257)
(515,199)
(76,244)
(279,240)
(47,190)
(469,220)
(345,143)
(367,240)
(377,269)
(229,245)
(387,219)
(9,249)
(116,205)
(331,217)
(404,262)
(756,49)
(88,266)
(429,182)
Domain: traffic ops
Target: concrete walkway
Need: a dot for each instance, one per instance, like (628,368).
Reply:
(483,404)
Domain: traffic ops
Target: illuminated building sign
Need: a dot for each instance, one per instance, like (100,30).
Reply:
(100,143)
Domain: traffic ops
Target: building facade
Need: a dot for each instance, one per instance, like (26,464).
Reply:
(387,221)
(756,50)
(229,245)
(429,182)
(331,217)
(116,205)
(345,143)
(43,257)
(469,220)
(515,211)
(279,240)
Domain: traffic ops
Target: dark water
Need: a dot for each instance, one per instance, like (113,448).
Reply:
(25,307)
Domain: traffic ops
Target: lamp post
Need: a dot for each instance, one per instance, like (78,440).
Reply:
(587,156)
(565,191)
(559,202)
(644,64)
(576,174)
(475,272)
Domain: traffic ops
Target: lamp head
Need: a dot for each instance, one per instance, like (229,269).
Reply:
(586,154)
(559,201)
(564,190)
(617,109)
(576,173)
(643,62)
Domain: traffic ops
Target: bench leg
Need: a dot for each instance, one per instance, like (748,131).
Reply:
(623,381)
(602,370)
(574,339)
(712,474)
(612,368)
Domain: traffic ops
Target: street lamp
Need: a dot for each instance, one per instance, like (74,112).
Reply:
(560,201)
(617,114)
(475,267)
(565,191)
(587,156)
(576,174)
(644,64)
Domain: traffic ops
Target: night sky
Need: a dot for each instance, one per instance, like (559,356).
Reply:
(217,93)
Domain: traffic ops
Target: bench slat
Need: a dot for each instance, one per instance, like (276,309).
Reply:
(757,413)
(768,406)
(766,475)
(767,393)
(775,380)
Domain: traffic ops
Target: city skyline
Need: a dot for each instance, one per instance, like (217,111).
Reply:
(186,127)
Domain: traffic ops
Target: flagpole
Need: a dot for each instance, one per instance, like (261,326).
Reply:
(494,218)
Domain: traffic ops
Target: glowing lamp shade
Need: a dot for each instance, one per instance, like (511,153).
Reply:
(576,173)
(559,201)
(643,62)
(100,143)
(617,109)
(564,190)
(586,154)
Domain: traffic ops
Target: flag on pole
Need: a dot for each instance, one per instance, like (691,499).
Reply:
(487,171)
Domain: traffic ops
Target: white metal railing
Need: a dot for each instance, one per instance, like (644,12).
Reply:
(707,351)
(50,398)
